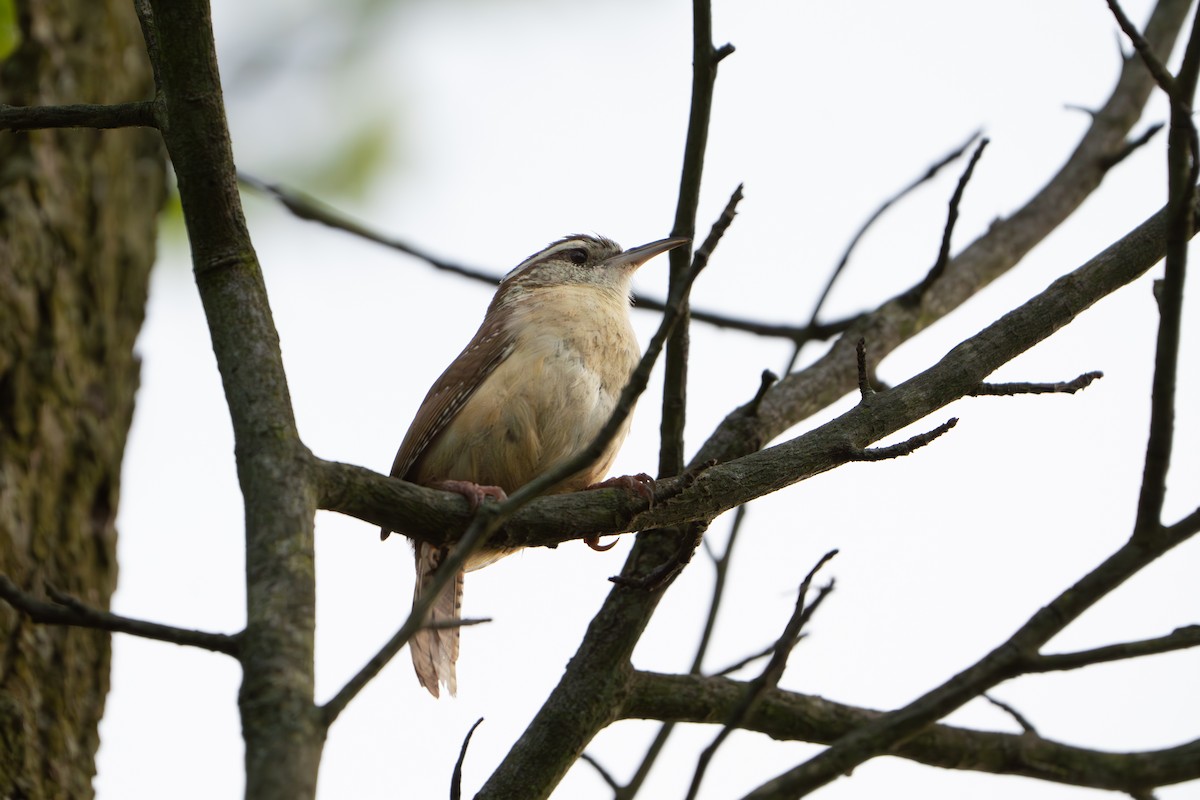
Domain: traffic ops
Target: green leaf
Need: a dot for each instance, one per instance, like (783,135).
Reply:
(10,34)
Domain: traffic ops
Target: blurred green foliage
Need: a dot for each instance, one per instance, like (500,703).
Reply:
(10,35)
(299,79)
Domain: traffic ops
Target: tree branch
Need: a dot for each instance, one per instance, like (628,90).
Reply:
(67,610)
(721,571)
(790,716)
(1007,389)
(280,724)
(1179,639)
(768,679)
(1162,76)
(456,776)
(928,175)
(943,256)
(900,449)
(309,208)
(1009,659)
(83,115)
(803,393)
(1183,161)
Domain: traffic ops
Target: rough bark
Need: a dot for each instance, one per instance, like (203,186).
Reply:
(77,231)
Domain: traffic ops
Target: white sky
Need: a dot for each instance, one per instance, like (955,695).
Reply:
(520,122)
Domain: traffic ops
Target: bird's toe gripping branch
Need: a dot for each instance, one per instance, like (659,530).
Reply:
(641,484)
(474,492)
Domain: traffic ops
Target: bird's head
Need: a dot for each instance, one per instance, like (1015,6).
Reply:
(586,261)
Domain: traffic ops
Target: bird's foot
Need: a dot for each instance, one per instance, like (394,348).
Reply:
(641,484)
(474,492)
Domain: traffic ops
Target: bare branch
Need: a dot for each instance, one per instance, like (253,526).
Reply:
(456,776)
(306,207)
(791,716)
(772,672)
(943,257)
(1067,387)
(907,447)
(663,574)
(1162,76)
(1011,658)
(801,394)
(721,571)
(864,380)
(768,380)
(705,251)
(83,115)
(748,660)
(1183,164)
(1179,639)
(1135,144)
(604,774)
(929,175)
(67,610)
(1025,724)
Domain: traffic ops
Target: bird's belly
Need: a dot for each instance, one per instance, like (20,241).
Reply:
(541,406)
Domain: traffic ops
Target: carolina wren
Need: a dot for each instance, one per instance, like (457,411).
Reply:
(533,387)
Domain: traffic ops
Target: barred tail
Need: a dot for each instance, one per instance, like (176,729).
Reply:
(435,651)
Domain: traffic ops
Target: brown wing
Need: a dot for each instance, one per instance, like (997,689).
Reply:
(450,392)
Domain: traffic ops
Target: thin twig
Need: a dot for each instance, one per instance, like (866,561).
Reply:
(442,624)
(604,774)
(1134,145)
(145,15)
(864,378)
(1062,387)
(689,539)
(720,575)
(306,207)
(1007,660)
(748,660)
(929,174)
(1180,639)
(768,380)
(1025,724)
(705,58)
(456,776)
(772,672)
(1162,76)
(907,447)
(943,257)
(1183,161)
(67,610)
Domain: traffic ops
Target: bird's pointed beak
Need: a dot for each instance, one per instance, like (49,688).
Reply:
(634,257)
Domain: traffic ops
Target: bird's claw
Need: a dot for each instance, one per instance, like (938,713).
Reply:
(640,484)
(473,492)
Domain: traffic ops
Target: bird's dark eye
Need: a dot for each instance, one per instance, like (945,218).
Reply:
(578,256)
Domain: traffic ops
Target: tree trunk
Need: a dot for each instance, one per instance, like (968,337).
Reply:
(77,229)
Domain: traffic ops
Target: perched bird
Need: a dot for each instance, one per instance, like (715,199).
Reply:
(533,387)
